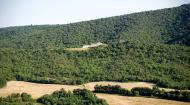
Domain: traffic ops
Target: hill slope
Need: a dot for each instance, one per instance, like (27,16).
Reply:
(148,46)
(160,26)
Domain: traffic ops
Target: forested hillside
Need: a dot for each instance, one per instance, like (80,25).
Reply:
(148,46)
(161,26)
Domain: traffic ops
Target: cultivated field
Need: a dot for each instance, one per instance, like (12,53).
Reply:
(126,100)
(38,90)
(35,89)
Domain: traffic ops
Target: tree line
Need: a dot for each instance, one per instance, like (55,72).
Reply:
(144,91)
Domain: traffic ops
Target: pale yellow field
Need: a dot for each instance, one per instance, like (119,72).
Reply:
(38,90)
(126,100)
(35,89)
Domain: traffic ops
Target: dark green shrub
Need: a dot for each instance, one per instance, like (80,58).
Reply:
(78,97)
(3,82)
(26,97)
(17,99)
(144,91)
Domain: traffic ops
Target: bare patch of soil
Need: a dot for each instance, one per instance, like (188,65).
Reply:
(77,49)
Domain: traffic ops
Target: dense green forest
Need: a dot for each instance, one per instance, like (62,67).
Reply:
(165,65)
(149,46)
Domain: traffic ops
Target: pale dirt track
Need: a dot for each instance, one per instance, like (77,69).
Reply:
(38,90)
